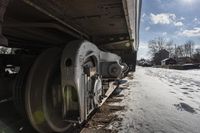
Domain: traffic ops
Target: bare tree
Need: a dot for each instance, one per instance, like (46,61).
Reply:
(197,51)
(185,50)
(189,48)
(160,43)
(170,47)
(196,55)
(156,45)
(179,51)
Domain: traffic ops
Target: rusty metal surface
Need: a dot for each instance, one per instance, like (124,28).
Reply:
(3,6)
(99,21)
(94,17)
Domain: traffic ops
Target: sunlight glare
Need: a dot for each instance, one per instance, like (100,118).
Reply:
(188,1)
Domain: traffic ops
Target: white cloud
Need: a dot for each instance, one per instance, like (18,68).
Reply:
(163,18)
(182,18)
(147,28)
(195,32)
(166,18)
(196,21)
(178,23)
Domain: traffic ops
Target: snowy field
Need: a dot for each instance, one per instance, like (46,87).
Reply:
(161,101)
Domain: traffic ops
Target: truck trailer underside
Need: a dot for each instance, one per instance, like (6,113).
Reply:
(65,56)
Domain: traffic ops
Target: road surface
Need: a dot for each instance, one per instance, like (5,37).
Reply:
(161,101)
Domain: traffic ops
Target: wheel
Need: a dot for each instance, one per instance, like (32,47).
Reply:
(80,66)
(43,93)
(93,82)
(18,91)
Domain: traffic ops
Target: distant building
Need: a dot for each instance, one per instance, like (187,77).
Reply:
(168,61)
(184,60)
(145,63)
(160,55)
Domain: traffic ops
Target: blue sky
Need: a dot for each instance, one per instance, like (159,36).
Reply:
(178,20)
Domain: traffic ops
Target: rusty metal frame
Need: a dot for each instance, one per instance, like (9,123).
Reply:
(55,18)
(41,25)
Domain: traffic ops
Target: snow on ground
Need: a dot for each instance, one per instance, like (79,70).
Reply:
(161,101)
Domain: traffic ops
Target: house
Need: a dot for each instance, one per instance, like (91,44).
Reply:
(184,60)
(168,61)
(159,56)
